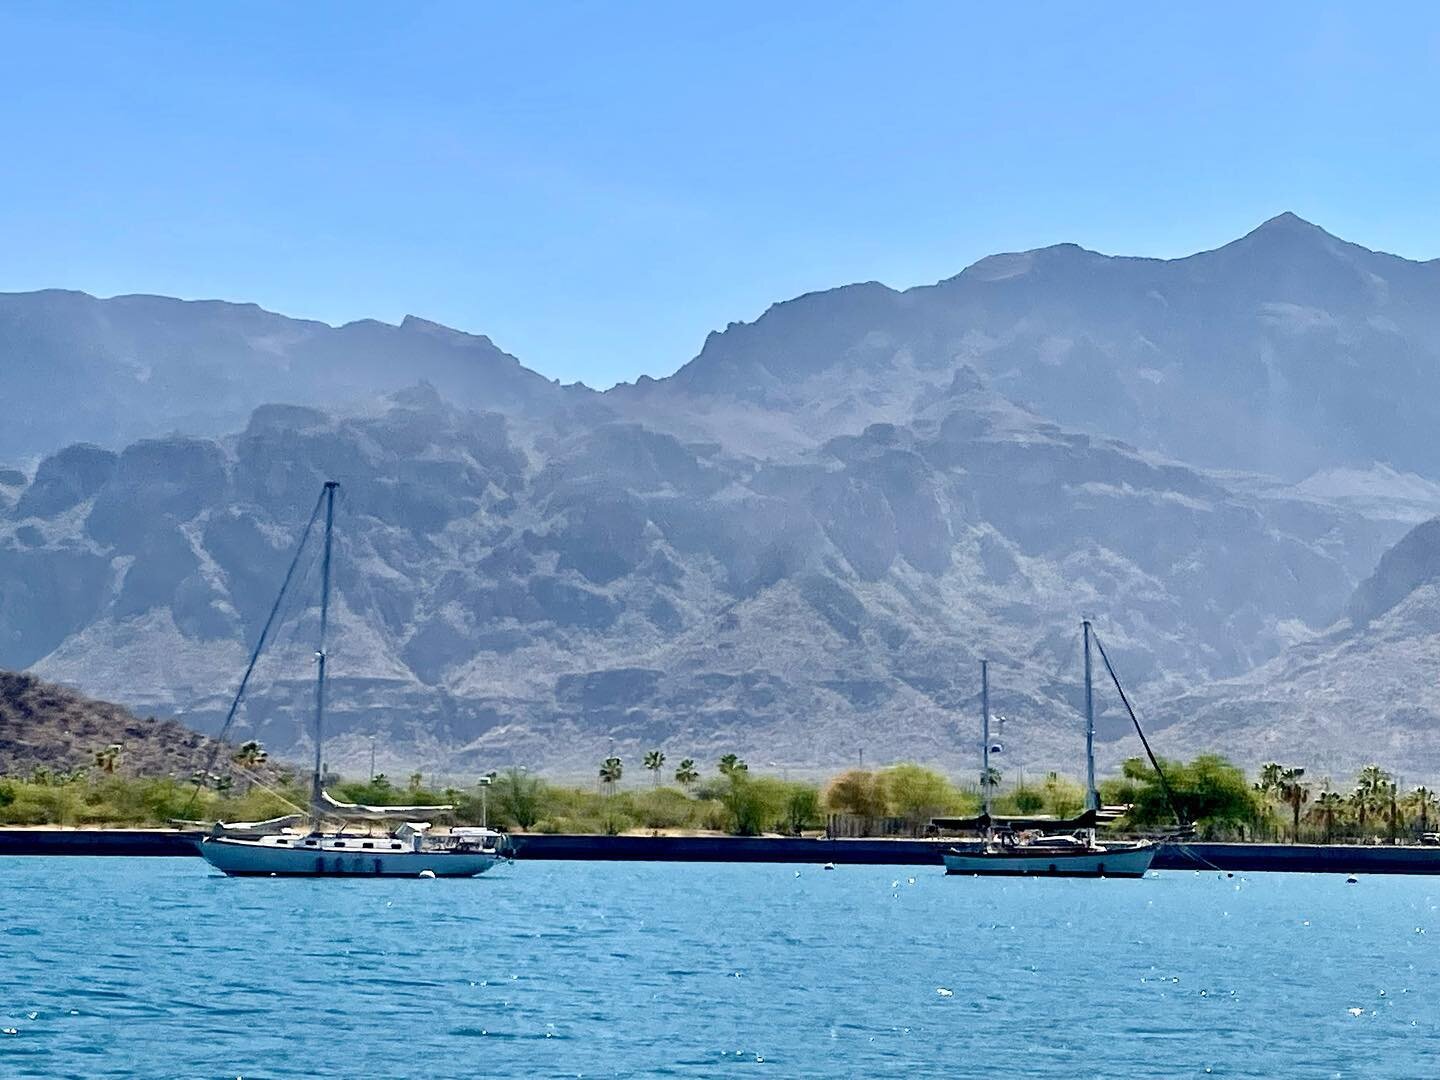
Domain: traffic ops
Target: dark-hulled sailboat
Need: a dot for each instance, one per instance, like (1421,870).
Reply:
(1044,847)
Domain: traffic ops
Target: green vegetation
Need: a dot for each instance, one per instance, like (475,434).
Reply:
(46,798)
(1209,792)
(1217,796)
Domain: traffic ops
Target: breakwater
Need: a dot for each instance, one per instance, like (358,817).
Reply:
(1235,858)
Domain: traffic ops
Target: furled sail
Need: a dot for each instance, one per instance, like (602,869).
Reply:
(1087,820)
(243,828)
(326,806)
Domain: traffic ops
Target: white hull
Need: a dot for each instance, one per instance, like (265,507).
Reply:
(1018,862)
(242,858)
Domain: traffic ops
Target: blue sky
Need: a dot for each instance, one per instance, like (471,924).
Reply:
(596,186)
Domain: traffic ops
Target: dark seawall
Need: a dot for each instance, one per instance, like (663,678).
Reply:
(1246,858)
(1249,858)
(97,842)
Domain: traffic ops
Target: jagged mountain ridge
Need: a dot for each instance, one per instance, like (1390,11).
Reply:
(132,367)
(1284,352)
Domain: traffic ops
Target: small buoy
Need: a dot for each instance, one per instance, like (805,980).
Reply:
(829,866)
(944,991)
(427,873)
(1352,880)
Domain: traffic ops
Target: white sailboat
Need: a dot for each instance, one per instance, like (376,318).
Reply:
(410,850)
(1037,846)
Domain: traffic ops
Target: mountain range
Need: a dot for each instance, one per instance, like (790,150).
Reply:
(796,548)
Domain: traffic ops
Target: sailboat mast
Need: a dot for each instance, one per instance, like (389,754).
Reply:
(316,783)
(1092,797)
(985,737)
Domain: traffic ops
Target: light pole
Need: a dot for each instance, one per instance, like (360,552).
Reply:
(372,759)
(484,783)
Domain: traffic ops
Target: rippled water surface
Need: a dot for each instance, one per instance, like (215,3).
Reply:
(161,967)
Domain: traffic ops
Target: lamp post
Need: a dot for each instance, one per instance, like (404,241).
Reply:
(484,784)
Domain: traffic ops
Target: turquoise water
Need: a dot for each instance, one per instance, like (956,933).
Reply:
(162,968)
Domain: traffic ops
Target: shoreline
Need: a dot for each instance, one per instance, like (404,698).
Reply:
(1195,856)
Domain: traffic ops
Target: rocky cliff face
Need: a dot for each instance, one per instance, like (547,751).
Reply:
(44,726)
(530,599)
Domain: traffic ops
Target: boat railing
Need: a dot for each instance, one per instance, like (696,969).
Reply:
(492,844)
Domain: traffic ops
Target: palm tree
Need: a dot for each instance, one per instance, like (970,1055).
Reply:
(108,758)
(1372,791)
(1422,801)
(990,778)
(687,774)
(250,754)
(1269,778)
(654,761)
(1290,790)
(1328,804)
(611,769)
(731,764)
(416,779)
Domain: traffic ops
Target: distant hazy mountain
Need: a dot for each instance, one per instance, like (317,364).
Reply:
(1284,352)
(1366,691)
(795,548)
(76,368)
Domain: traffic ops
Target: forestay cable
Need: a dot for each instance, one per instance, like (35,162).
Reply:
(1154,761)
(219,745)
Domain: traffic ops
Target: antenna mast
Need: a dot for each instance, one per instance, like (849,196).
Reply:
(1092,797)
(985,737)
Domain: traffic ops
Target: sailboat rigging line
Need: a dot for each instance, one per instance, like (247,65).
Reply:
(219,744)
(1154,761)
(257,780)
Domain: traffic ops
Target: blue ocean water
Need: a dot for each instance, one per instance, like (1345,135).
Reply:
(163,968)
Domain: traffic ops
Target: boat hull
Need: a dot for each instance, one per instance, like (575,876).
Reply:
(1122,862)
(240,858)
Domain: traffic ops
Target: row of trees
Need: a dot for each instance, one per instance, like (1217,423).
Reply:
(1209,791)
(1372,803)
(687,775)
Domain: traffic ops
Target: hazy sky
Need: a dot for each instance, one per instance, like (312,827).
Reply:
(596,186)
